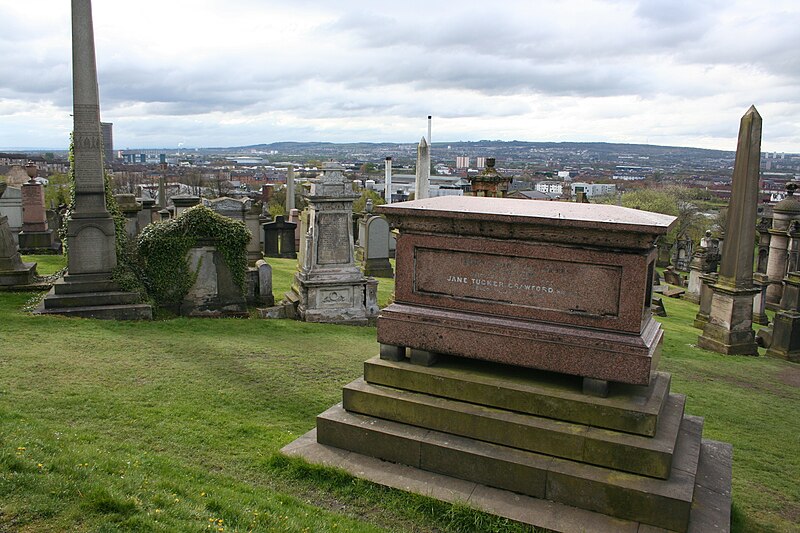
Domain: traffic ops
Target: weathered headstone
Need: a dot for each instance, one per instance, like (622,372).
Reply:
(482,281)
(265,283)
(13,271)
(329,286)
(11,208)
(130,209)
(375,248)
(234,208)
(255,248)
(730,323)
(87,289)
(214,292)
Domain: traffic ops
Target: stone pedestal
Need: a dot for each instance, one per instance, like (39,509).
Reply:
(729,329)
(785,337)
(482,280)
(329,287)
(694,284)
(706,295)
(760,282)
(36,236)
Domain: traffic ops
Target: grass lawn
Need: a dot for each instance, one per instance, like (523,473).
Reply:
(174,425)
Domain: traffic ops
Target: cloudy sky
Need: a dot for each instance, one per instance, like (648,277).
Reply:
(237,72)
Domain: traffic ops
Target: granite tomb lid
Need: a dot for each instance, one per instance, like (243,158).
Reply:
(569,214)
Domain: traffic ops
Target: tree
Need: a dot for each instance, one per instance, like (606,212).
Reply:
(360,204)
(680,202)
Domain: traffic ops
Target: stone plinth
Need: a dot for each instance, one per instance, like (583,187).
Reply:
(539,287)
(559,287)
(706,295)
(329,286)
(36,236)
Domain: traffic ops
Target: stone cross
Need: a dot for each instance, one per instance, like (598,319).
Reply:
(423,183)
(729,329)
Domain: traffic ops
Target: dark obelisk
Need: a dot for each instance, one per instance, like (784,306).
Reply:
(730,325)
(90,232)
(87,289)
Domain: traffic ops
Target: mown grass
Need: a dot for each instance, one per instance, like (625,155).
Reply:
(174,425)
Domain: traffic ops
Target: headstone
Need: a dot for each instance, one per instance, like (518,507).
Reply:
(130,209)
(148,214)
(482,281)
(265,283)
(87,289)
(11,208)
(706,294)
(214,292)
(279,238)
(423,179)
(730,324)
(673,278)
(230,207)
(255,248)
(36,236)
(328,286)
(13,271)
(375,248)
(658,307)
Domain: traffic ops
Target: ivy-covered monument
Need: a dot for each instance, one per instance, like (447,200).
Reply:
(88,289)
(195,264)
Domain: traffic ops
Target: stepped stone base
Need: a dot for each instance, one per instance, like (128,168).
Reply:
(633,457)
(93,296)
(710,510)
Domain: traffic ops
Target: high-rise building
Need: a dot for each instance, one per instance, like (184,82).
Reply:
(108,141)
(462,161)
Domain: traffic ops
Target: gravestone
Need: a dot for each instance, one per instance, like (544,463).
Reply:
(729,329)
(279,238)
(230,207)
(329,286)
(214,292)
(36,236)
(265,283)
(255,248)
(13,271)
(509,319)
(87,289)
(182,202)
(375,248)
(673,278)
(131,210)
(11,208)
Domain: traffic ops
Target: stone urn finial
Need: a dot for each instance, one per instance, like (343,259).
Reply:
(368,206)
(32,170)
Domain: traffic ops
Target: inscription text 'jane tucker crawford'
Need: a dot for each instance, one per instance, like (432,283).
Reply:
(526,281)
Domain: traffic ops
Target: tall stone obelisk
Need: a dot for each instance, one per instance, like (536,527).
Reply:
(90,232)
(423,182)
(87,289)
(730,324)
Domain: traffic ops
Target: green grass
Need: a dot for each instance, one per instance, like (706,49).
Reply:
(46,265)
(174,425)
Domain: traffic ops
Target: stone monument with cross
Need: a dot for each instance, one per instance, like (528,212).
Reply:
(329,286)
(87,289)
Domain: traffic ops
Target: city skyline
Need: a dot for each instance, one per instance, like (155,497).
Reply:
(245,72)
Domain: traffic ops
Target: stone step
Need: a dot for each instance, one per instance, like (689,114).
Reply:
(659,503)
(84,286)
(89,299)
(105,312)
(650,456)
(628,408)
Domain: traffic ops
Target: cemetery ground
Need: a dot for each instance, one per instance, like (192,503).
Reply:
(175,425)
